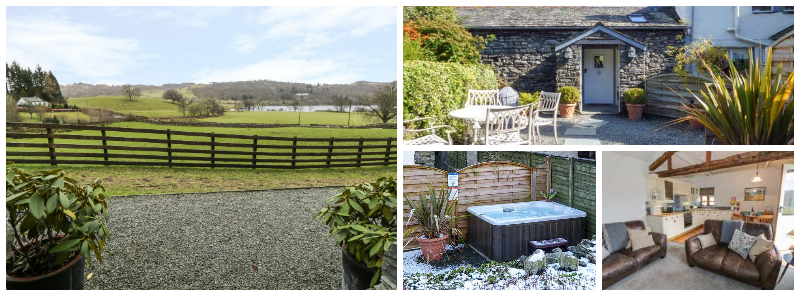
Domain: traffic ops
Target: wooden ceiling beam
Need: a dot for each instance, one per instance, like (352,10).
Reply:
(660,160)
(728,162)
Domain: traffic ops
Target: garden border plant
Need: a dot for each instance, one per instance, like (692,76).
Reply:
(570,96)
(363,218)
(55,223)
(635,100)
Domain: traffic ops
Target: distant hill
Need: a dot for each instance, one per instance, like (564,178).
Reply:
(274,91)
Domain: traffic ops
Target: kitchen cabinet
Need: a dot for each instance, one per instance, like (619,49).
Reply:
(668,190)
(670,226)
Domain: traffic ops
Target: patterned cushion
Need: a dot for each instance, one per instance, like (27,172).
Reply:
(741,243)
(761,246)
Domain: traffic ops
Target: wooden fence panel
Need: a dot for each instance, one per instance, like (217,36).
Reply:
(783,54)
(75,146)
(666,93)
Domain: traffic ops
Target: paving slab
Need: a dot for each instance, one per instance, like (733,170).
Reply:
(581,141)
(580,132)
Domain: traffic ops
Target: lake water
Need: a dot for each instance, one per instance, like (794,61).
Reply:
(305,108)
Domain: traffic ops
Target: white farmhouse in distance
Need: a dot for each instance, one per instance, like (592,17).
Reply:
(30,100)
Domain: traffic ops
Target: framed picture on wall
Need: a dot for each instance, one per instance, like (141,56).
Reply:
(754,193)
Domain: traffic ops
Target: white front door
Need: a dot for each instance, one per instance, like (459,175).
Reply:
(598,76)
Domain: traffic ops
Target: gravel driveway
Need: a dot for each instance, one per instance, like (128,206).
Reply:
(213,240)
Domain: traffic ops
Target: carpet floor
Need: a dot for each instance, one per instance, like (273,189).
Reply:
(673,273)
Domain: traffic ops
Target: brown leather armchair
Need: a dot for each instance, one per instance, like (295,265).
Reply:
(625,262)
(718,258)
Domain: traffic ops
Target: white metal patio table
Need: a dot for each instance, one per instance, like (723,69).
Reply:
(475,115)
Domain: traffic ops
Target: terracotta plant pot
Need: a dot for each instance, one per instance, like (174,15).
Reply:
(433,249)
(548,200)
(69,277)
(635,111)
(695,124)
(566,110)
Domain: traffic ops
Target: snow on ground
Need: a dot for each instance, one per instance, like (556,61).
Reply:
(499,276)
(412,265)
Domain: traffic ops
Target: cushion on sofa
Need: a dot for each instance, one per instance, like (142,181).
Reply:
(761,246)
(640,239)
(616,236)
(706,240)
(728,227)
(710,258)
(741,243)
(740,268)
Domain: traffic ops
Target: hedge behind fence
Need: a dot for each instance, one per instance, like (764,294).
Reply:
(433,89)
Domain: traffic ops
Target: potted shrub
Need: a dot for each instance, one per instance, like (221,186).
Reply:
(432,212)
(529,98)
(56,226)
(363,219)
(635,99)
(570,96)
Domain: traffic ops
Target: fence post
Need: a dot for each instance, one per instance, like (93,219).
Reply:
(360,150)
(294,150)
(330,151)
(388,149)
(571,178)
(255,149)
(549,174)
(212,150)
(52,148)
(105,149)
(169,147)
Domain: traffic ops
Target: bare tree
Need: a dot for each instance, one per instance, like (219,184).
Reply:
(183,104)
(340,103)
(172,95)
(383,104)
(40,110)
(131,91)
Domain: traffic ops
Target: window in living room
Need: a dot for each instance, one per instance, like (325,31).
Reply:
(707,196)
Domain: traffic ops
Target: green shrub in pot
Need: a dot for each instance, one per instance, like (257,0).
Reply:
(53,220)
(528,98)
(363,218)
(634,96)
(569,95)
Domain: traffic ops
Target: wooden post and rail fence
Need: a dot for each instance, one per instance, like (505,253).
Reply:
(273,152)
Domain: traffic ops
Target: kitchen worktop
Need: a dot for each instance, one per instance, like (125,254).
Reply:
(692,211)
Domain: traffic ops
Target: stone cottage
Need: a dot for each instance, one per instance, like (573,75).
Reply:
(602,51)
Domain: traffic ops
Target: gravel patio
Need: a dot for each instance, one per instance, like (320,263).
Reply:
(217,241)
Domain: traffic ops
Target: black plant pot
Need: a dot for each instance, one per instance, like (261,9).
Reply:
(355,276)
(69,277)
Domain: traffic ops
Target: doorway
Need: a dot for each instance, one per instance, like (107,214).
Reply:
(785,213)
(599,70)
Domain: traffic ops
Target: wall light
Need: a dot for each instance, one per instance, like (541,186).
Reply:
(568,53)
(632,52)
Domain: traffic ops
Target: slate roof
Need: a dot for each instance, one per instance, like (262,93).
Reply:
(32,99)
(578,17)
(782,32)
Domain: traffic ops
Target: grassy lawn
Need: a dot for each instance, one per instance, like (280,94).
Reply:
(291,117)
(129,180)
(143,106)
(70,117)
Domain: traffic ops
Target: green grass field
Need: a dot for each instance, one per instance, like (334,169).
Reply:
(291,117)
(143,106)
(69,117)
(130,180)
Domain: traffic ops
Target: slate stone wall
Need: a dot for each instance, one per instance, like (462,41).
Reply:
(526,59)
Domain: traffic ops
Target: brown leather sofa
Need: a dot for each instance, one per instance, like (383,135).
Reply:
(718,258)
(625,262)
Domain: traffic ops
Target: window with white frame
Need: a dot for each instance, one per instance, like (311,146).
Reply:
(763,9)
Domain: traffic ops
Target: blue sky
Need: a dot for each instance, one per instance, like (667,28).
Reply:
(157,45)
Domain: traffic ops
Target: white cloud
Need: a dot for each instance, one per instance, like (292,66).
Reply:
(56,43)
(244,44)
(183,16)
(357,21)
(283,68)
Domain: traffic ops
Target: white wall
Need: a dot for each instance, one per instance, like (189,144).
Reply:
(732,182)
(713,21)
(624,188)
(408,157)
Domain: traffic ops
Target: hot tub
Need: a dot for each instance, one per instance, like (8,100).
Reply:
(504,235)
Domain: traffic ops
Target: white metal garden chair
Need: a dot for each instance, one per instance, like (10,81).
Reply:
(504,126)
(482,98)
(548,102)
(431,139)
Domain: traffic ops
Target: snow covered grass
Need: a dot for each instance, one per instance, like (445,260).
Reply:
(419,275)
